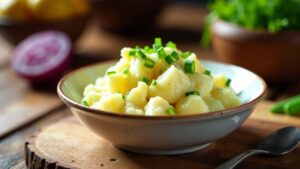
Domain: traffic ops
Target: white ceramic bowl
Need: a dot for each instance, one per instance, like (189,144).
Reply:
(163,134)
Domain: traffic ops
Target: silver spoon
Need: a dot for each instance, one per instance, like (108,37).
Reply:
(278,143)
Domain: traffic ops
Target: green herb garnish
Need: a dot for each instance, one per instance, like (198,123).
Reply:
(85,103)
(186,54)
(175,55)
(146,80)
(194,92)
(171,45)
(153,83)
(157,41)
(171,111)
(189,66)
(126,70)
(227,83)
(207,72)
(110,73)
(169,59)
(142,54)
(149,63)
(161,53)
(132,53)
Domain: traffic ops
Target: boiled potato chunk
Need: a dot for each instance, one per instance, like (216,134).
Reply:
(117,83)
(213,104)
(138,69)
(138,96)
(199,68)
(192,104)
(220,80)
(112,102)
(157,106)
(202,83)
(121,65)
(226,96)
(92,97)
(171,85)
(133,110)
(160,65)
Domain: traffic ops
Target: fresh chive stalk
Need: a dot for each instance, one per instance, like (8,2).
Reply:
(157,41)
(142,54)
(208,73)
(227,83)
(186,54)
(126,70)
(110,73)
(153,83)
(175,55)
(132,53)
(194,92)
(169,59)
(189,66)
(161,53)
(149,63)
(146,80)
(171,45)
(171,111)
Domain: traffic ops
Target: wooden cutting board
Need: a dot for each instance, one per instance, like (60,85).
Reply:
(67,144)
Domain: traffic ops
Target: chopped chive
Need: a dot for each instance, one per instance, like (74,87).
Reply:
(132,52)
(207,72)
(124,97)
(189,66)
(228,81)
(194,92)
(186,54)
(142,54)
(169,59)
(175,55)
(157,41)
(153,83)
(148,50)
(155,47)
(171,111)
(171,45)
(85,103)
(110,73)
(146,80)
(149,63)
(126,70)
(161,53)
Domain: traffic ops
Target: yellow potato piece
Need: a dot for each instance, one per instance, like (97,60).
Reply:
(138,96)
(213,104)
(138,69)
(199,68)
(226,96)
(192,104)
(110,102)
(171,85)
(220,80)
(131,109)
(202,83)
(118,83)
(157,106)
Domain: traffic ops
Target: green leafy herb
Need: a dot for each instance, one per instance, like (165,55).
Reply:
(270,15)
(175,55)
(171,45)
(153,83)
(161,53)
(110,73)
(207,72)
(149,63)
(169,59)
(146,80)
(85,103)
(126,70)
(194,92)
(227,83)
(186,54)
(171,111)
(189,66)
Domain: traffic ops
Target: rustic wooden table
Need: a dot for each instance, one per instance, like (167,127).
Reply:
(25,109)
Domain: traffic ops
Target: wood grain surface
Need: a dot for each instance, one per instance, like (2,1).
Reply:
(68,144)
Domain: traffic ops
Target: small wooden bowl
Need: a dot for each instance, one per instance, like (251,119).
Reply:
(122,15)
(14,32)
(274,56)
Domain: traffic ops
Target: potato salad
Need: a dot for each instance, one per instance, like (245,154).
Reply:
(160,80)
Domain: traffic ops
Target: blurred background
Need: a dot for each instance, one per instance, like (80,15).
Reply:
(231,31)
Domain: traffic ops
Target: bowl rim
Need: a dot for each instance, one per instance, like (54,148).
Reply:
(213,114)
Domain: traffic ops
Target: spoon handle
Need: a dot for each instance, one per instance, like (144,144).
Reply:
(237,159)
